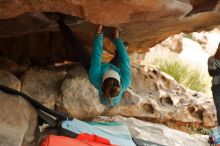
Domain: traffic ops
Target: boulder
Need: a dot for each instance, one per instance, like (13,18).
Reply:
(79,97)
(9,80)
(43,85)
(157,97)
(18,118)
(153,96)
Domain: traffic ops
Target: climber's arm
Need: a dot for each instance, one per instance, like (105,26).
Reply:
(96,59)
(124,63)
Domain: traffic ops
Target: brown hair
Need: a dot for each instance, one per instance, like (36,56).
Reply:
(110,88)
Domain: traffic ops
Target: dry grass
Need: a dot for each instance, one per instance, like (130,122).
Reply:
(185,75)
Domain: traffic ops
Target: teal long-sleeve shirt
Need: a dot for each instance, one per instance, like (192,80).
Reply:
(97,68)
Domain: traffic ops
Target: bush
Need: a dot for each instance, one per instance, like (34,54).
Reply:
(183,73)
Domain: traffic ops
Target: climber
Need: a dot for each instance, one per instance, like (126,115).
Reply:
(214,71)
(111,79)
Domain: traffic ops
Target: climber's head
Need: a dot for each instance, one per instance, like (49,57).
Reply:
(110,85)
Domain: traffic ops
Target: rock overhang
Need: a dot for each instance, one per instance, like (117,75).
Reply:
(143,23)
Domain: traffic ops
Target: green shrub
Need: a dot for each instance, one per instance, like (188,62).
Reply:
(183,73)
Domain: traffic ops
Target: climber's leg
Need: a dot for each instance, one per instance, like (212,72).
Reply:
(79,49)
(216,98)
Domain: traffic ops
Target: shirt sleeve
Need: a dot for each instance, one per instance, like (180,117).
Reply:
(124,65)
(96,60)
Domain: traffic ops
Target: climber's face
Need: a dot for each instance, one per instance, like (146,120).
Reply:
(110,88)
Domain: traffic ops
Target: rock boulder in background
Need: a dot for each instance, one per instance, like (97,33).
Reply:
(155,96)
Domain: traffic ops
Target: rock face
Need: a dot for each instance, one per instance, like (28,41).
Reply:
(43,85)
(153,96)
(18,118)
(143,24)
(66,89)
(9,80)
(159,134)
(156,96)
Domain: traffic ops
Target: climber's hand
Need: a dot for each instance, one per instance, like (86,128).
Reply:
(116,33)
(99,29)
